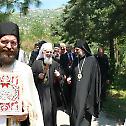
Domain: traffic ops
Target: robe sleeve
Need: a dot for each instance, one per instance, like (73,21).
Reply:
(93,98)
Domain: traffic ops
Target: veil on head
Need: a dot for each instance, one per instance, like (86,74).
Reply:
(84,46)
(44,47)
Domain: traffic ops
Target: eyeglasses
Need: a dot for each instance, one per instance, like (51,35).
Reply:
(49,52)
(5,42)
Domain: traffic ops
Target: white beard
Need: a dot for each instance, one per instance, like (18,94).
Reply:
(48,60)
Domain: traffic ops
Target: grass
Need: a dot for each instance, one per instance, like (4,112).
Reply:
(115,104)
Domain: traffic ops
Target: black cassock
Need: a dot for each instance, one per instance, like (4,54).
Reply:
(85,92)
(46,91)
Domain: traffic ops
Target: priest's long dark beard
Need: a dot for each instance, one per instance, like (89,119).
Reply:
(6,59)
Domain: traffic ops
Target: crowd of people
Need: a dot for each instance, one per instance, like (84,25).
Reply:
(59,76)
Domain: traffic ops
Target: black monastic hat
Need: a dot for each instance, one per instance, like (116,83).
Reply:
(10,28)
(83,45)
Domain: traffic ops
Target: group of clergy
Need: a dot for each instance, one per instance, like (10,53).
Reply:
(58,78)
(68,79)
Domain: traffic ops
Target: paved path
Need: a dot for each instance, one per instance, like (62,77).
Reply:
(63,120)
(103,120)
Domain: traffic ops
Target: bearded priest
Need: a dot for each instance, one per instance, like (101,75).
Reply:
(18,95)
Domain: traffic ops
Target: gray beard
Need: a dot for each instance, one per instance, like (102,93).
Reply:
(48,60)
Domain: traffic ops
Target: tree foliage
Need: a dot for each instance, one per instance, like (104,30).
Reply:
(98,21)
(10,6)
(4,17)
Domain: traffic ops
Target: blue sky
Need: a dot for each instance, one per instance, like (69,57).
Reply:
(53,4)
(49,4)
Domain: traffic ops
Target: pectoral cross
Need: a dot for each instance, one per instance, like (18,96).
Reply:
(46,67)
(46,72)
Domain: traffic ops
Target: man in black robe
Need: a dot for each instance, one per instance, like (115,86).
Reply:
(86,86)
(46,74)
(9,48)
(56,52)
(103,61)
(66,61)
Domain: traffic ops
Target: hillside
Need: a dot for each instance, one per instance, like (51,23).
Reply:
(36,25)
(44,16)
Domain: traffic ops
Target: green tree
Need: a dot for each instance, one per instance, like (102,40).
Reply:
(4,17)
(22,6)
(99,21)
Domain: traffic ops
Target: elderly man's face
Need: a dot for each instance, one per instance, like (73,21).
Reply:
(48,56)
(8,49)
(63,50)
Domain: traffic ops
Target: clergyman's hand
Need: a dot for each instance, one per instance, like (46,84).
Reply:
(57,73)
(19,118)
(22,117)
(69,80)
(41,76)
